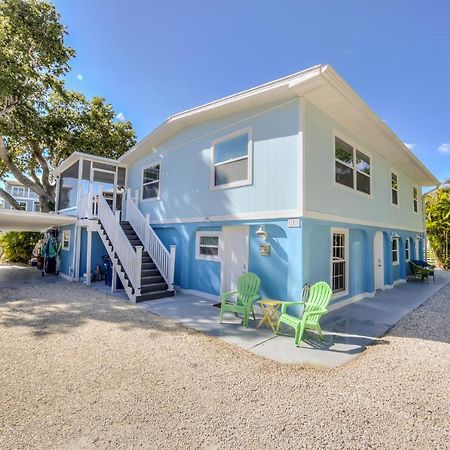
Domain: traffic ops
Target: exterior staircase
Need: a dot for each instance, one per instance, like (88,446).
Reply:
(153,285)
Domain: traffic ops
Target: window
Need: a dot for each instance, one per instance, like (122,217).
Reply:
(352,167)
(36,207)
(339,261)
(66,240)
(407,250)
(394,189)
(415,199)
(68,187)
(232,160)
(18,191)
(22,205)
(150,182)
(395,248)
(208,245)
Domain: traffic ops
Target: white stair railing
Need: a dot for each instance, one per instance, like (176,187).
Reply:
(163,259)
(130,259)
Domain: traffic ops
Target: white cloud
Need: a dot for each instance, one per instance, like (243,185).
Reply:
(80,77)
(410,146)
(444,148)
(120,117)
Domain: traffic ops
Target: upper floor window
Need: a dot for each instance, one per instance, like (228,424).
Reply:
(150,182)
(18,191)
(232,160)
(415,199)
(395,248)
(352,167)
(394,189)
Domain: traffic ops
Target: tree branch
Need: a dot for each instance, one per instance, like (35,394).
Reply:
(19,176)
(9,198)
(45,178)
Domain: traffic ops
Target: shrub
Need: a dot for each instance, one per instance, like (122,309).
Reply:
(17,246)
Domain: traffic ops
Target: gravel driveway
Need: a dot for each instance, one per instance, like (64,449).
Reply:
(80,369)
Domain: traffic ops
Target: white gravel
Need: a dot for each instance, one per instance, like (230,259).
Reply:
(80,369)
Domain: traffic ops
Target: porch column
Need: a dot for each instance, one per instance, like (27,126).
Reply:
(88,257)
(114,279)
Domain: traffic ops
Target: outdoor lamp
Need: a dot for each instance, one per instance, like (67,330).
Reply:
(419,237)
(262,233)
(394,235)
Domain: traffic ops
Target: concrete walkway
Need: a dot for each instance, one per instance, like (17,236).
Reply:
(348,330)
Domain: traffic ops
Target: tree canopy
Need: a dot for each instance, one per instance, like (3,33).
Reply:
(41,121)
(437,207)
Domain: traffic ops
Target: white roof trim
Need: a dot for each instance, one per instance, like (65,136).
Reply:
(17,220)
(80,155)
(296,84)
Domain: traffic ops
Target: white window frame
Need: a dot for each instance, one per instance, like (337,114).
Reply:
(150,166)
(353,167)
(407,249)
(200,234)
(393,172)
(345,232)
(65,238)
(248,131)
(23,203)
(396,251)
(416,199)
(22,188)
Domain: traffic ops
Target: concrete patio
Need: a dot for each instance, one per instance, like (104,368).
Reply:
(348,330)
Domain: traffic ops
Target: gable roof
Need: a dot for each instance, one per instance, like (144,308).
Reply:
(321,86)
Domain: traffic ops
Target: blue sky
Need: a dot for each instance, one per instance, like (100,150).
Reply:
(151,59)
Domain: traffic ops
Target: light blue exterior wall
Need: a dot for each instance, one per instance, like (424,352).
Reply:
(317,255)
(280,272)
(324,196)
(186,167)
(98,250)
(66,257)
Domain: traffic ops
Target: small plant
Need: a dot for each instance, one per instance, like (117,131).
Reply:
(17,246)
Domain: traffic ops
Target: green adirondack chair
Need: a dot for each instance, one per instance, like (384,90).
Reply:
(313,309)
(247,293)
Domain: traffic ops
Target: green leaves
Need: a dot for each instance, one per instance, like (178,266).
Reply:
(41,122)
(17,246)
(437,210)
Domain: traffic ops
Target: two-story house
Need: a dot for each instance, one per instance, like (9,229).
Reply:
(27,199)
(297,180)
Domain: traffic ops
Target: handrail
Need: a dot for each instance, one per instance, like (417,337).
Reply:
(163,259)
(130,259)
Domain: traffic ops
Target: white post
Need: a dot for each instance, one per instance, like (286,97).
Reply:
(114,278)
(173,251)
(90,212)
(139,249)
(136,198)
(88,258)
(117,216)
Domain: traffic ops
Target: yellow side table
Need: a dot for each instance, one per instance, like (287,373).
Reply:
(270,309)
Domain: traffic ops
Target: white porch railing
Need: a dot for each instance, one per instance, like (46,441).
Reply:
(130,259)
(163,259)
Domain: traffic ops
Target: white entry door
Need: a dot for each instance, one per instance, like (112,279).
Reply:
(378,263)
(235,256)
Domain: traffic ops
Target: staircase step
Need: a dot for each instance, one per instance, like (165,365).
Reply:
(146,260)
(153,287)
(154,295)
(149,273)
(146,281)
(148,266)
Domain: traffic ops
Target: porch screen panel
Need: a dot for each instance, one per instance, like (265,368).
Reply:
(339,263)
(68,187)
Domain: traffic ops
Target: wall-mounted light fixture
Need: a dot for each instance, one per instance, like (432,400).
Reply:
(262,233)
(419,237)
(394,236)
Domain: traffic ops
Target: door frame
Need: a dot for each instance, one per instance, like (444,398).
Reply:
(378,240)
(227,232)
(91,180)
